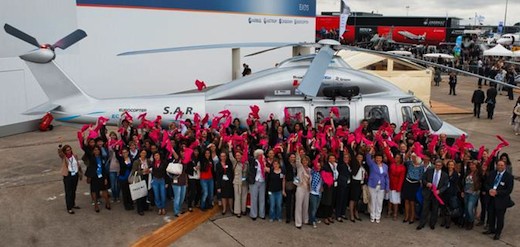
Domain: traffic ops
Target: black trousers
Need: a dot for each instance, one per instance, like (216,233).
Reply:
(490,110)
(127,198)
(452,89)
(289,204)
(484,202)
(342,197)
(194,192)
(496,217)
(430,208)
(476,109)
(70,183)
(510,93)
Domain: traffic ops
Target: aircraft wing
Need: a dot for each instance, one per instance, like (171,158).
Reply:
(41,109)
(408,34)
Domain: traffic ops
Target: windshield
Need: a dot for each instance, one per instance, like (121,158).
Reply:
(435,122)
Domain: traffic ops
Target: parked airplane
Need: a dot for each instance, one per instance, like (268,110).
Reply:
(309,84)
(412,36)
(510,39)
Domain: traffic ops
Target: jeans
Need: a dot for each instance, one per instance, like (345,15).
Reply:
(314,202)
(179,192)
(159,192)
(114,185)
(207,193)
(275,210)
(470,202)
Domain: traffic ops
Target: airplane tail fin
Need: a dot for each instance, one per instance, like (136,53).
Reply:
(56,84)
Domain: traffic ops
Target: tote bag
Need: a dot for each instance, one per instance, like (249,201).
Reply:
(138,189)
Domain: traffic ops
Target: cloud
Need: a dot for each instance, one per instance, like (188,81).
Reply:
(492,10)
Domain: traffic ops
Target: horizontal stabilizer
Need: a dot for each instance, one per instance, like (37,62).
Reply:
(41,109)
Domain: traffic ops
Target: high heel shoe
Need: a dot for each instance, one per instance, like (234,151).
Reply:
(96,209)
(108,207)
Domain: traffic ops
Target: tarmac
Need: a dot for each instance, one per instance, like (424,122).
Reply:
(33,209)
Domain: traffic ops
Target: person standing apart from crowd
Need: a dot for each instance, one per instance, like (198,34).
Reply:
(437,77)
(477,99)
(434,181)
(71,172)
(510,79)
(491,95)
(378,183)
(499,185)
(453,83)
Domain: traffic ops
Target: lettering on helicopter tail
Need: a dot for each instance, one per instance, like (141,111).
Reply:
(132,110)
(167,110)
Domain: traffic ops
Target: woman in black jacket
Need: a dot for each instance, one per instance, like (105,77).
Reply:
(452,207)
(224,182)
(343,189)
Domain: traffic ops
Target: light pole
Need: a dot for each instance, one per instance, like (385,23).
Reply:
(407,8)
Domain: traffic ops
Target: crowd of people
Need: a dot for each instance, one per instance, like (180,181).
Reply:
(322,173)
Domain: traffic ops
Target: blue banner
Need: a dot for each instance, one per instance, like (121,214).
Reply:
(303,8)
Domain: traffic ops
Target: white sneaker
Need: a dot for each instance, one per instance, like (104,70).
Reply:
(377,221)
(314,224)
(372,220)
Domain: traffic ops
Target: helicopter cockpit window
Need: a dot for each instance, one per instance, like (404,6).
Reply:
(376,115)
(321,113)
(435,122)
(418,115)
(407,114)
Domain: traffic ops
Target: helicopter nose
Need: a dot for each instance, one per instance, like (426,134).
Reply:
(450,130)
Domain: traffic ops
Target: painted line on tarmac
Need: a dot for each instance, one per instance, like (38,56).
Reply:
(226,232)
(176,228)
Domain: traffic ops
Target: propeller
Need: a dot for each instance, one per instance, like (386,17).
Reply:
(45,53)
(63,43)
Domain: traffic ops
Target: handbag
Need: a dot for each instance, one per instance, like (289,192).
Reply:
(138,189)
(174,168)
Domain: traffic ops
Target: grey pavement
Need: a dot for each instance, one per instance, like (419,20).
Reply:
(32,206)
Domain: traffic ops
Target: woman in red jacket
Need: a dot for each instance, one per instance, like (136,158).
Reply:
(396,174)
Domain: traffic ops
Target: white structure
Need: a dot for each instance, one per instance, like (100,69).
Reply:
(498,50)
(115,26)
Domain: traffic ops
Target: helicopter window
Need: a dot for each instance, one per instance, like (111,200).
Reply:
(323,112)
(376,115)
(435,122)
(418,115)
(293,111)
(407,114)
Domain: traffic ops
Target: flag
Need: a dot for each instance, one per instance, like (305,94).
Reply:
(345,12)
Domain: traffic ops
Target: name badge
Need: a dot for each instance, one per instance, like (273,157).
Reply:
(175,181)
(243,178)
(335,184)
(502,183)
(100,175)
(281,175)
(225,177)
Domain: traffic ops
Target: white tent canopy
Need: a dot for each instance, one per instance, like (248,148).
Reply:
(498,50)
(437,55)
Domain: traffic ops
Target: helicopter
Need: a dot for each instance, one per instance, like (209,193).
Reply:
(307,85)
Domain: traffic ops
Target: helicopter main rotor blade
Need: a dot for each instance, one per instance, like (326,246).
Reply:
(70,39)
(21,35)
(205,47)
(275,48)
(420,61)
(312,79)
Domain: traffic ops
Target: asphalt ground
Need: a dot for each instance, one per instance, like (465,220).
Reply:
(33,213)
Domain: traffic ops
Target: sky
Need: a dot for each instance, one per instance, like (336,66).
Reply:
(492,10)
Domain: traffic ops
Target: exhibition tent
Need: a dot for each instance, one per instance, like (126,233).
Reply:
(498,50)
